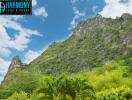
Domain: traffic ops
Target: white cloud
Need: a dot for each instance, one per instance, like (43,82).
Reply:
(74,1)
(21,38)
(31,55)
(19,41)
(94,8)
(115,8)
(4,52)
(41,11)
(77,14)
(34,3)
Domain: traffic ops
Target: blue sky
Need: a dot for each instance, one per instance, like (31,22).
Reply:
(52,20)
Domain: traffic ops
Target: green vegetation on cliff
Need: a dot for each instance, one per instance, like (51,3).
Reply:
(94,42)
(111,81)
(95,63)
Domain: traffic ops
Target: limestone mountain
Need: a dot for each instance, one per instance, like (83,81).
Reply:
(94,42)
(15,63)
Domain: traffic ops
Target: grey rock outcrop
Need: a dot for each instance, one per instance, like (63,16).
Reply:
(16,62)
(126,16)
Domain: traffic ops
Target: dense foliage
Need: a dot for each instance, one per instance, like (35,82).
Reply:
(120,93)
(95,63)
(110,82)
(94,42)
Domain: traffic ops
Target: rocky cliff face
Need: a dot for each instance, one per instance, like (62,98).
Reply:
(99,22)
(16,62)
(94,42)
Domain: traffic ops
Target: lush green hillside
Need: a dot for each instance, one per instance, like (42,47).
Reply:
(112,81)
(94,42)
(97,59)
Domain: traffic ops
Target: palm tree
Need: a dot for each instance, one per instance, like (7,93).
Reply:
(49,88)
(63,86)
(82,88)
(66,87)
(75,87)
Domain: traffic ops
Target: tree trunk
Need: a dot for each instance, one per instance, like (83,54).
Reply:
(73,98)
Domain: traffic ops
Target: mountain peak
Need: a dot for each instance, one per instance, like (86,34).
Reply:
(126,16)
(16,62)
(98,16)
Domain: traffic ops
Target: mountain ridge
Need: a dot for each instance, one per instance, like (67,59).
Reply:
(93,25)
(98,53)
(98,29)
(89,25)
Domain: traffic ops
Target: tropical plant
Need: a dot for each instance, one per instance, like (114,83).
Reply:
(49,88)
(75,87)
(120,93)
(19,96)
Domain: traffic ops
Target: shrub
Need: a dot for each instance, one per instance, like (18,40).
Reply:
(19,96)
(120,93)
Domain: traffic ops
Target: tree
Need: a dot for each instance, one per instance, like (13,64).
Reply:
(19,96)
(120,93)
(75,87)
(49,88)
